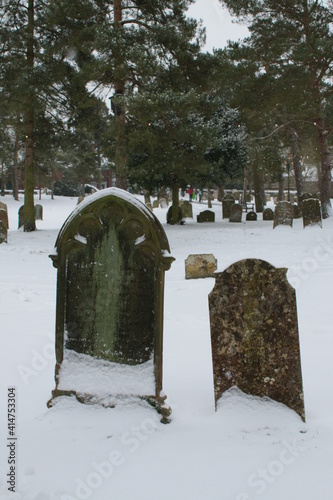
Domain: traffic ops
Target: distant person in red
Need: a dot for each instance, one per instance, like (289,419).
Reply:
(190,193)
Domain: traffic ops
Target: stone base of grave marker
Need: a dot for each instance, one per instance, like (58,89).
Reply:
(254,333)
(200,266)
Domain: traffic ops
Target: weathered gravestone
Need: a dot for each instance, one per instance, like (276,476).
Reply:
(206,216)
(235,194)
(180,219)
(201,265)
(268,214)
(112,254)
(187,209)
(3,228)
(297,214)
(252,216)
(4,207)
(236,213)
(38,212)
(80,199)
(305,196)
(311,212)
(283,214)
(163,203)
(254,333)
(21,217)
(227,202)
(155,204)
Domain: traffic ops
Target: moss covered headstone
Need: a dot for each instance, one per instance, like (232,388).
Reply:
(38,212)
(283,214)
(268,214)
(227,202)
(254,333)
(206,216)
(236,213)
(311,211)
(111,257)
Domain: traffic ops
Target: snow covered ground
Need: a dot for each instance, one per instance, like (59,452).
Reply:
(249,449)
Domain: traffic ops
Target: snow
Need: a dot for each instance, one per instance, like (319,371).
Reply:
(250,448)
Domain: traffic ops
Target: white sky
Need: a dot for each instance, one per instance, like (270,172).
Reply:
(219,27)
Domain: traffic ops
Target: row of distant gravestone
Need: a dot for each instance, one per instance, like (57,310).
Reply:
(4,222)
(284,213)
(111,257)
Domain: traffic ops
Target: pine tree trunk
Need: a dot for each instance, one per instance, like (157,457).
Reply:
(258,190)
(325,172)
(281,188)
(175,204)
(15,179)
(296,164)
(2,179)
(29,209)
(209,198)
(119,86)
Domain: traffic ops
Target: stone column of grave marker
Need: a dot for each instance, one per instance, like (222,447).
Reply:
(254,333)
(38,212)
(112,254)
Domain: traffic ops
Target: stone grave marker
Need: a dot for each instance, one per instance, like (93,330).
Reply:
(305,196)
(150,206)
(112,254)
(80,199)
(297,213)
(235,194)
(251,216)
(254,333)
(38,212)
(155,204)
(311,211)
(268,214)
(3,228)
(206,216)
(236,213)
(227,202)
(283,214)
(21,217)
(180,215)
(187,209)
(201,265)
(4,208)
(163,203)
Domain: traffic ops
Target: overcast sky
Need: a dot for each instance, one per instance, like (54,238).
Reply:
(219,27)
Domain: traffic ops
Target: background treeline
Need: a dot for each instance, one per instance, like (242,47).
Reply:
(179,115)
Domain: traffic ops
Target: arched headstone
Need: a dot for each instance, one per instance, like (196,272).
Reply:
(254,333)
(236,213)
(283,214)
(38,212)
(252,216)
(21,217)
(187,209)
(206,216)
(268,214)
(227,202)
(112,254)
(311,211)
